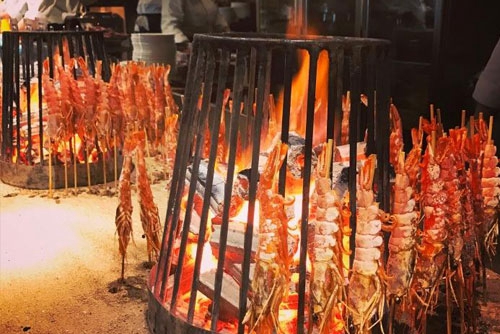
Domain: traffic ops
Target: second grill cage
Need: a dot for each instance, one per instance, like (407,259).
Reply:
(25,121)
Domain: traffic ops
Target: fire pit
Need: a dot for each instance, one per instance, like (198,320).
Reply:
(291,98)
(34,154)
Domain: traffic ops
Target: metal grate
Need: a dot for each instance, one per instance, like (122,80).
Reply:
(23,54)
(253,67)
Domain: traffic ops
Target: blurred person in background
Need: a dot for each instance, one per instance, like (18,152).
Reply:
(148,16)
(184,18)
(26,12)
(487,92)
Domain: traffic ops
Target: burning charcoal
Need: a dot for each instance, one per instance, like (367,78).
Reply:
(340,177)
(239,194)
(217,191)
(229,299)
(235,271)
(296,154)
(235,242)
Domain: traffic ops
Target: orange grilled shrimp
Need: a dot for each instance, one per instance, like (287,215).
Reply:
(490,185)
(366,295)
(150,218)
(272,276)
(396,136)
(404,218)
(123,218)
(431,255)
(327,283)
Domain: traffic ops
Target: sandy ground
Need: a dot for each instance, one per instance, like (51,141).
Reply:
(59,263)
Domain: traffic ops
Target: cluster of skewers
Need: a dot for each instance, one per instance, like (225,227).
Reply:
(441,229)
(88,119)
(134,112)
(445,211)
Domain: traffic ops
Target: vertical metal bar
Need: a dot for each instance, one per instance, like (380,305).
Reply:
(262,94)
(285,122)
(17,85)
(27,79)
(332,74)
(241,57)
(338,95)
(370,92)
(382,125)
(200,137)
(311,99)
(50,51)
(436,50)
(6,92)
(39,44)
(250,98)
(355,78)
(184,140)
(358,18)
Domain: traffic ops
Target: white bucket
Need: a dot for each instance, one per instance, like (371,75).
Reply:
(153,48)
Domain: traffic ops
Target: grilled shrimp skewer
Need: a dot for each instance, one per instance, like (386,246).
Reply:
(490,183)
(366,287)
(325,251)
(272,276)
(404,218)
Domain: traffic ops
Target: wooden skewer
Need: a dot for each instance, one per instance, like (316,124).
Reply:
(471,125)
(89,182)
(75,177)
(439,116)
(65,167)
(50,169)
(329,154)
(115,153)
(104,168)
(432,112)
(433,142)
(420,130)
(462,124)
(490,130)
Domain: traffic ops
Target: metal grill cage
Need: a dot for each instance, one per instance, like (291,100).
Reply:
(23,54)
(253,67)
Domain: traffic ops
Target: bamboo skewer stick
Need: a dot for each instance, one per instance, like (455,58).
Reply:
(104,168)
(115,154)
(432,112)
(89,182)
(490,130)
(329,154)
(75,176)
(65,167)
(471,125)
(433,142)
(462,123)
(50,168)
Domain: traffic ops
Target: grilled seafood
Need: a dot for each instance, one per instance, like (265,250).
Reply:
(325,251)
(150,218)
(270,282)
(366,287)
(123,219)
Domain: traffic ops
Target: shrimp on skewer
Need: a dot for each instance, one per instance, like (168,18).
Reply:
(272,276)
(325,251)
(490,183)
(366,296)
(123,219)
(402,242)
(150,218)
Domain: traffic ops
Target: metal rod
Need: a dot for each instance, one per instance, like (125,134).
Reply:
(200,137)
(311,99)
(263,79)
(355,78)
(239,74)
